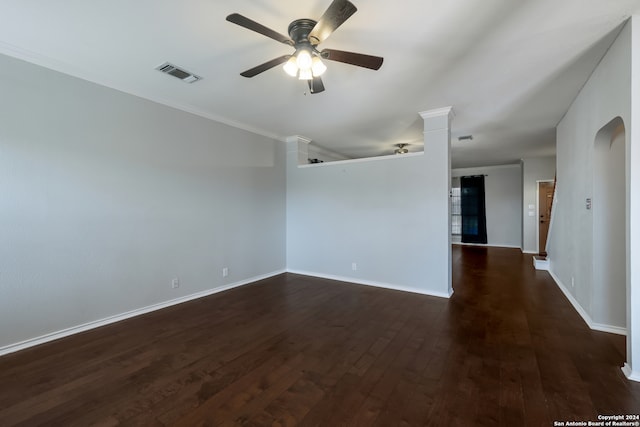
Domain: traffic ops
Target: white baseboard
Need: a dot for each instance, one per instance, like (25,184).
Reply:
(529,252)
(608,328)
(630,374)
(372,283)
(585,316)
(626,369)
(12,348)
(574,302)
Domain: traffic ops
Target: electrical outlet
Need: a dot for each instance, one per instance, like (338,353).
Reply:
(573,282)
(354,266)
(175,283)
(225,272)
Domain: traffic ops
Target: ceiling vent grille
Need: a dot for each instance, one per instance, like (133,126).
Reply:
(178,72)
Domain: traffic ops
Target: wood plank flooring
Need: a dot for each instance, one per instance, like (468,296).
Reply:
(507,349)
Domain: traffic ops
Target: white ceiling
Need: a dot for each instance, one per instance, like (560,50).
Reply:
(510,68)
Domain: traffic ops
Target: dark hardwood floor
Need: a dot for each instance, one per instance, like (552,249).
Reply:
(507,349)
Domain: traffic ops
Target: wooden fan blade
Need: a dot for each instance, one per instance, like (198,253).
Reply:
(266,66)
(247,23)
(359,59)
(316,85)
(338,12)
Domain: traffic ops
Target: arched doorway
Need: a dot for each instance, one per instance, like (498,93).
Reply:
(609,206)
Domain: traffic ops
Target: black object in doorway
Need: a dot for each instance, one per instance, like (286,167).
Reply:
(472,202)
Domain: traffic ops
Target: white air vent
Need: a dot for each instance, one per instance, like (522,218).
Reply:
(177,72)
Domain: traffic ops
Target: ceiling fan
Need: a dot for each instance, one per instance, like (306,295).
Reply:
(401,148)
(304,36)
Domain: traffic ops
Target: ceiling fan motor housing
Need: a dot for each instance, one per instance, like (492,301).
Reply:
(299,32)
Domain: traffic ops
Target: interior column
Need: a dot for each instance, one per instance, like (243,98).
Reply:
(437,157)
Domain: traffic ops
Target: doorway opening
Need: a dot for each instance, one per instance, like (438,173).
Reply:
(544,203)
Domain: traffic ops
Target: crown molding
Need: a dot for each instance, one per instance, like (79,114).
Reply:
(438,112)
(298,138)
(69,70)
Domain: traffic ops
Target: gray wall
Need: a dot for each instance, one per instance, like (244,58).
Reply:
(611,95)
(503,199)
(106,197)
(377,213)
(573,243)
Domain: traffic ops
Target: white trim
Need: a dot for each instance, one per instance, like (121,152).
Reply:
(538,218)
(364,159)
(629,373)
(70,70)
(328,153)
(12,348)
(298,138)
(541,263)
(438,112)
(459,172)
(609,329)
(585,316)
(371,283)
(528,252)
(576,305)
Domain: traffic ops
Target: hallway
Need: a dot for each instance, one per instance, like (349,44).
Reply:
(547,364)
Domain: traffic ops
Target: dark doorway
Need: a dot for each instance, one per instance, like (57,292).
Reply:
(472,202)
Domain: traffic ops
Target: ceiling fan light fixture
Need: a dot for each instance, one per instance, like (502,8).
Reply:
(317,67)
(305,74)
(304,35)
(401,149)
(303,59)
(304,65)
(291,67)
